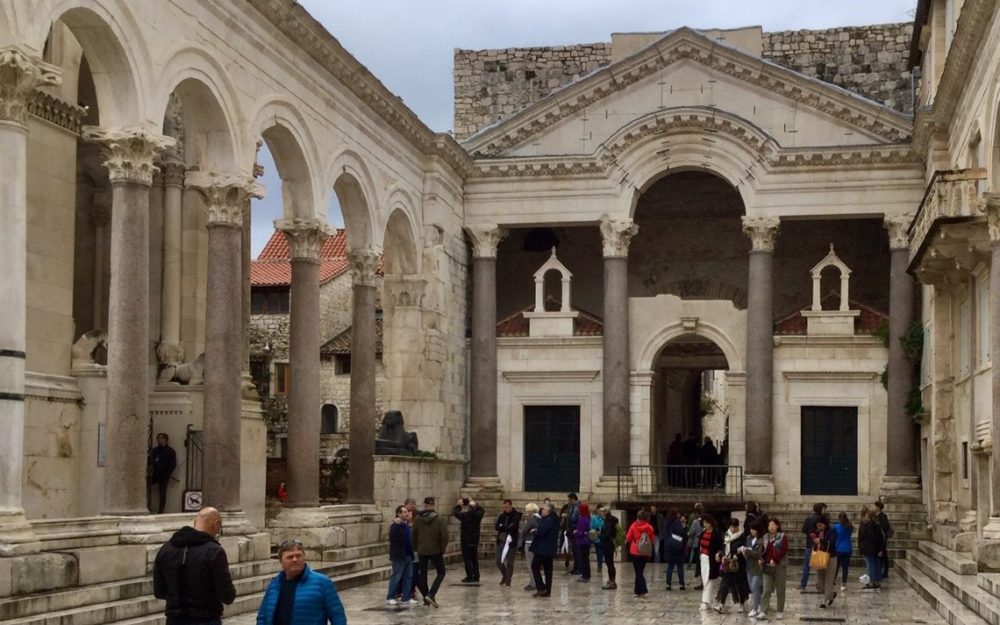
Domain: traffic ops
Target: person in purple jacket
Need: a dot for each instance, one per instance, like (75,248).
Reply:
(581,541)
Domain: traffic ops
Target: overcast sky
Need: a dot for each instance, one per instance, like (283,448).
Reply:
(409,44)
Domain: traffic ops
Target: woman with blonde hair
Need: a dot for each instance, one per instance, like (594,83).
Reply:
(526,536)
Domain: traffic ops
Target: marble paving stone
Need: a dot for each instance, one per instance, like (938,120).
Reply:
(587,603)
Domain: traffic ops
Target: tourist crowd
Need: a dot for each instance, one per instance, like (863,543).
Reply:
(744,562)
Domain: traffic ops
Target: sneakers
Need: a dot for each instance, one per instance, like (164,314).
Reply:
(681,587)
(761,615)
(780,616)
(392,602)
(610,586)
(752,613)
(411,602)
(718,608)
(843,589)
(703,607)
(429,600)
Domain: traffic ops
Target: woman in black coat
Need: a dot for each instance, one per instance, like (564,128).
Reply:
(544,547)
(871,544)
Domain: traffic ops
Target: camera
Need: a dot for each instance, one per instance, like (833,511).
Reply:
(465,501)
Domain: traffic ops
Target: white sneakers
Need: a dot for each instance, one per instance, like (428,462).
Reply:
(392,602)
(761,615)
(751,613)
(704,607)
(780,616)
(412,602)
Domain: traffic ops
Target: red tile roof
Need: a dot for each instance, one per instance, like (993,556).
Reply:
(273,266)
(585,324)
(341,344)
(867,323)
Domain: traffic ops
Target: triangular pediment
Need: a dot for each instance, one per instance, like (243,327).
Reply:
(685,69)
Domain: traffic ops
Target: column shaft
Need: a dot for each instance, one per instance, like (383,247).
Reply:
(760,363)
(901,453)
(361,478)
(223,349)
(13,295)
(616,364)
(483,390)
(994,478)
(170,317)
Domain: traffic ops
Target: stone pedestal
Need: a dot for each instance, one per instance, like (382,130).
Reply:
(616,234)
(129,155)
(361,477)
(325,529)
(225,198)
(901,489)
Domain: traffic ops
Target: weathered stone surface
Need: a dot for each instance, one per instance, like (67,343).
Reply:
(43,571)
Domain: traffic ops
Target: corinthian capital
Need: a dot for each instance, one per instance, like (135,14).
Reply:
(305,236)
(364,263)
(762,232)
(991,206)
(20,73)
(485,239)
(226,195)
(128,152)
(616,235)
(898,227)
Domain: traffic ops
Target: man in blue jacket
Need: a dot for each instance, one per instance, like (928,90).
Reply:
(298,594)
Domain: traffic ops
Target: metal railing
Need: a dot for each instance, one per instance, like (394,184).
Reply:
(657,482)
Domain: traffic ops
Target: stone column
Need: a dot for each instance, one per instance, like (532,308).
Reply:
(483,380)
(305,238)
(760,353)
(20,73)
(616,234)
(100,217)
(170,349)
(361,436)
(225,198)
(129,154)
(991,531)
(901,482)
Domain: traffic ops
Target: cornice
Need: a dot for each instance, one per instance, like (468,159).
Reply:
(302,29)
(57,111)
(686,44)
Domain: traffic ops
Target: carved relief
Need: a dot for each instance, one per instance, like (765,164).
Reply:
(763,231)
(485,239)
(898,227)
(84,349)
(20,73)
(992,209)
(616,234)
(129,153)
(226,195)
(364,265)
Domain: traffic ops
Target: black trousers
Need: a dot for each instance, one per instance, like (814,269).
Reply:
(470,554)
(609,559)
(538,565)
(583,560)
(884,561)
(437,560)
(639,564)
(161,485)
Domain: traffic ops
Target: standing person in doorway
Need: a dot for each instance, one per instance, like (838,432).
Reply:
(825,542)
(675,538)
(709,547)
(609,537)
(581,542)
(506,527)
(298,595)
(162,462)
(543,548)
(883,521)
(808,528)
(470,519)
(401,557)
(526,536)
(775,568)
(845,530)
(640,538)
(430,540)
(191,572)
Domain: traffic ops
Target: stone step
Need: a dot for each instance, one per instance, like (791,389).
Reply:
(352,553)
(955,561)
(962,588)
(950,608)
(990,582)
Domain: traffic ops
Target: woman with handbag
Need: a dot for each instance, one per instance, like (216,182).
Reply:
(733,566)
(824,545)
(640,538)
(775,568)
(709,546)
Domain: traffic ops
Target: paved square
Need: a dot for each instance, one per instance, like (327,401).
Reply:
(585,603)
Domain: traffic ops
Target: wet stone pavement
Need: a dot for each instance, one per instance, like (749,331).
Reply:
(577,603)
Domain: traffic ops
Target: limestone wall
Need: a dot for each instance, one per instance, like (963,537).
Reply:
(399,477)
(491,85)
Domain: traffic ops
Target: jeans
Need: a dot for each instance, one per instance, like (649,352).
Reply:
(679,566)
(874,569)
(775,583)
(805,565)
(599,554)
(583,560)
(756,589)
(470,555)
(843,564)
(437,560)
(402,572)
(609,559)
(538,565)
(639,564)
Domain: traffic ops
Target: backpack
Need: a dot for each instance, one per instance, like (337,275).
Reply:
(619,535)
(645,546)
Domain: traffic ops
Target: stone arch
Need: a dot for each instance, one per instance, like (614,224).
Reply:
(295,157)
(115,51)
(355,189)
(400,240)
(660,339)
(210,110)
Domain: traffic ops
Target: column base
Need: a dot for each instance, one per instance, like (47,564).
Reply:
(986,550)
(901,489)
(325,530)
(17,538)
(758,485)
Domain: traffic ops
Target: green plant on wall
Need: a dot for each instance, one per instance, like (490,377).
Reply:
(913,348)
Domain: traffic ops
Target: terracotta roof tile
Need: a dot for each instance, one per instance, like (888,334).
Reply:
(585,324)
(341,344)
(867,323)
(273,266)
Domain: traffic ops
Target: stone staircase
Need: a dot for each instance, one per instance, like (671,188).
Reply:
(950,582)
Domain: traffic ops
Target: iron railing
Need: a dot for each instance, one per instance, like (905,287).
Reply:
(680,482)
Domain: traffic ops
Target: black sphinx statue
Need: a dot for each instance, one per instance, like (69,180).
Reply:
(393,439)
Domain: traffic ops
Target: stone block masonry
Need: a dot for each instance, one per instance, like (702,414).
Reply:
(492,85)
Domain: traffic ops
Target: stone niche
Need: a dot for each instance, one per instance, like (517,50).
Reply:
(542,322)
(838,322)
